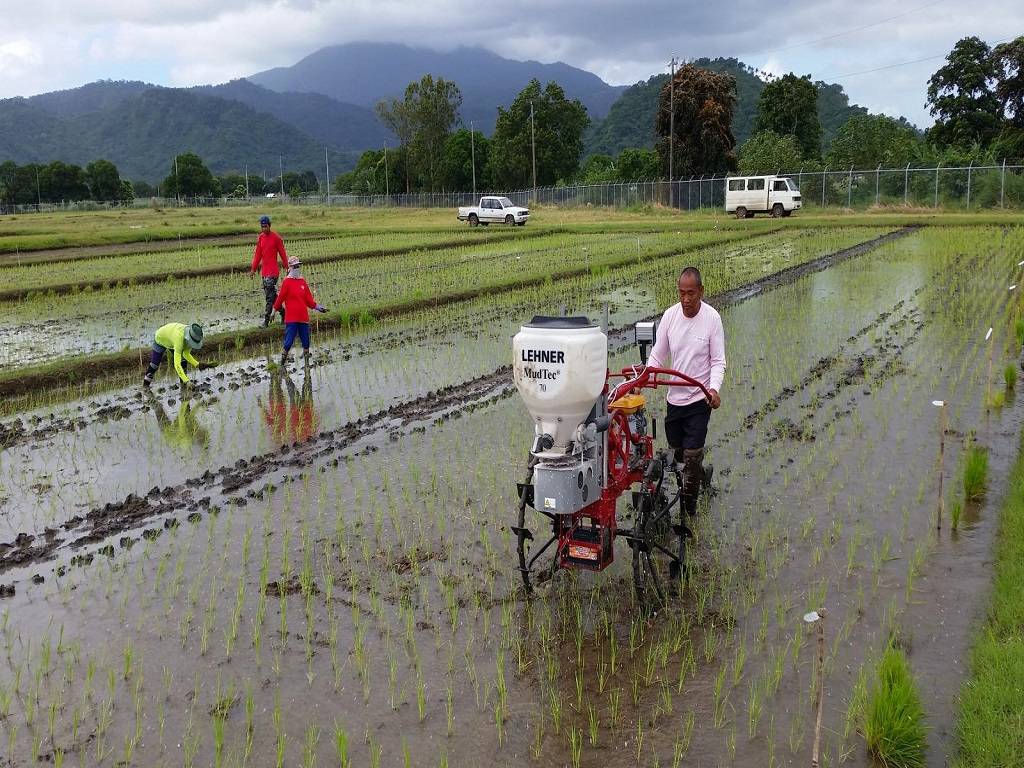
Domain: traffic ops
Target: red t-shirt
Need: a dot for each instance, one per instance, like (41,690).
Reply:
(268,247)
(297,300)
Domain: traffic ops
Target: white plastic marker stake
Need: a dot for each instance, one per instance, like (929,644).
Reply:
(1013,286)
(816,617)
(988,383)
(1020,263)
(941,405)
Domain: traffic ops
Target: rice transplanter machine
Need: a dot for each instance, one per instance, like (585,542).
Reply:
(593,441)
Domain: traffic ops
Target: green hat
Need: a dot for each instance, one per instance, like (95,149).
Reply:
(194,336)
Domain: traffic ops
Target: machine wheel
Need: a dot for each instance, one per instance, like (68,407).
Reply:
(510,220)
(473,220)
(741,212)
(778,211)
(655,564)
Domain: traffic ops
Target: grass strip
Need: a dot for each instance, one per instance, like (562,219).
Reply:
(75,371)
(991,725)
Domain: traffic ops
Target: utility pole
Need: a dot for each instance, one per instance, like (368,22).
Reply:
(671,130)
(246,181)
(39,195)
(177,190)
(280,171)
(533,151)
(472,151)
(327,161)
(387,188)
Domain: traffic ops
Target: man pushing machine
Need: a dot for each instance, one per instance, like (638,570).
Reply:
(691,335)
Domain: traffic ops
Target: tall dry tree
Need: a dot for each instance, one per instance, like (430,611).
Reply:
(703,141)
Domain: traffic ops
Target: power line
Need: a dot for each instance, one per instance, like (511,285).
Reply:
(834,35)
(900,63)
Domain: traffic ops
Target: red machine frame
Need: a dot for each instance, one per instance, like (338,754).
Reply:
(586,538)
(575,538)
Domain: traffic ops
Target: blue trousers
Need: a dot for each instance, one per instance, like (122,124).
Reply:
(291,329)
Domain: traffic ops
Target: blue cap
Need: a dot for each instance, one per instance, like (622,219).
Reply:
(264,220)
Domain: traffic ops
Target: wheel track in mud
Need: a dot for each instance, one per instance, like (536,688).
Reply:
(235,484)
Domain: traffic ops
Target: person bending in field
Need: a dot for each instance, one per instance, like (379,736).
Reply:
(182,339)
(691,335)
(297,300)
(268,247)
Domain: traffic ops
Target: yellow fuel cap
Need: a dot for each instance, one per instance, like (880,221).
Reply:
(629,404)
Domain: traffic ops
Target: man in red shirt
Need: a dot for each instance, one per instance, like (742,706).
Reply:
(268,247)
(297,300)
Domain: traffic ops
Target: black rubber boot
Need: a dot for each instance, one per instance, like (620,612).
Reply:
(691,476)
(284,359)
(266,318)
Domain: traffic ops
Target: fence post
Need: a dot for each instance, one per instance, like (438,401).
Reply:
(800,178)
(849,189)
(700,192)
(906,179)
(823,172)
(1002,183)
(879,168)
(970,167)
(936,203)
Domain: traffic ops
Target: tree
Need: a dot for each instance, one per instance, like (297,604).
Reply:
(60,181)
(126,193)
(960,96)
(703,140)
(767,152)
(865,141)
(368,177)
(103,179)
(637,164)
(558,126)
(143,189)
(598,169)
(1008,63)
(423,120)
(189,177)
(789,106)
(457,167)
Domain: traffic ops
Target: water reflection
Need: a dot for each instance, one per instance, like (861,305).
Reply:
(293,417)
(184,431)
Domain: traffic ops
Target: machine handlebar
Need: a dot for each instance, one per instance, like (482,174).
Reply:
(647,377)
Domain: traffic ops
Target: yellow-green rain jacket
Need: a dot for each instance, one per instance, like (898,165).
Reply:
(172,336)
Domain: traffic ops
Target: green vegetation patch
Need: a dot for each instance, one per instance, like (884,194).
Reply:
(991,726)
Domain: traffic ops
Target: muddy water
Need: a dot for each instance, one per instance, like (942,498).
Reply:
(409,537)
(71,457)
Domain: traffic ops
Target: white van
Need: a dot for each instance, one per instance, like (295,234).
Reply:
(747,195)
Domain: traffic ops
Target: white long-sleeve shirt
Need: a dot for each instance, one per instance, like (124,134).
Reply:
(696,347)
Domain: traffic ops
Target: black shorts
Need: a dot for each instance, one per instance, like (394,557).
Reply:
(686,426)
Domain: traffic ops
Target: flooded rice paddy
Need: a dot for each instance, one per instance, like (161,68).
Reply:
(314,565)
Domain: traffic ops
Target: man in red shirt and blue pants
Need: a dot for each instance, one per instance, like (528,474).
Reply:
(268,247)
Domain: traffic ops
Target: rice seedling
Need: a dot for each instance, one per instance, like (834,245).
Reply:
(975,472)
(894,718)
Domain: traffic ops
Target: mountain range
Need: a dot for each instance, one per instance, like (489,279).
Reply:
(291,116)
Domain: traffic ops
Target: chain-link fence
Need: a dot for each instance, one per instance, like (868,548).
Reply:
(968,187)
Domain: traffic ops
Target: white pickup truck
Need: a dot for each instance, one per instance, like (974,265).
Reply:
(494,209)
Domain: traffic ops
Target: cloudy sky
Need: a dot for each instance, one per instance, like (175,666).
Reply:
(865,45)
